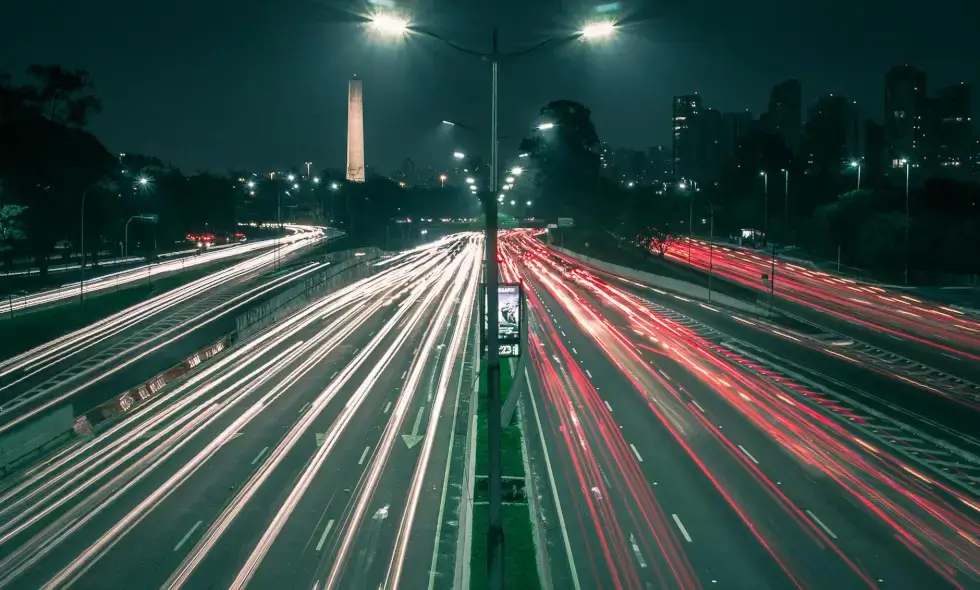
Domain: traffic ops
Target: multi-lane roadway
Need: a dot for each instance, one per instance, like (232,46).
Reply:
(296,236)
(687,445)
(312,455)
(673,443)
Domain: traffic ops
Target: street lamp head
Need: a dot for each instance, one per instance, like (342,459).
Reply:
(389,24)
(316,180)
(443,177)
(545,126)
(513,202)
(509,179)
(903,161)
(291,178)
(598,30)
(516,170)
(295,186)
(855,164)
(529,203)
(459,155)
(470,180)
(683,186)
(450,123)
(251,184)
(144,181)
(334,186)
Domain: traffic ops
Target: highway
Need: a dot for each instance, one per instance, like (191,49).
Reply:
(952,334)
(678,444)
(88,366)
(297,237)
(306,456)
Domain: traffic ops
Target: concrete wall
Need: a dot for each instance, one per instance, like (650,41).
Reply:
(679,287)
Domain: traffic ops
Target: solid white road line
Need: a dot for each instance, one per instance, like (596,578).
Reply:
(188,535)
(680,525)
(748,454)
(259,456)
(323,537)
(554,491)
(822,525)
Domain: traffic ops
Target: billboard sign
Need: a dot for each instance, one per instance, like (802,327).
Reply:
(510,320)
(566,222)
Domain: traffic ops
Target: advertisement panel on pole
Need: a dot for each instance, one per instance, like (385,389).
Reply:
(510,319)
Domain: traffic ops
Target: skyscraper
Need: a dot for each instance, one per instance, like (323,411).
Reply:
(832,135)
(686,109)
(952,132)
(905,102)
(786,113)
(355,131)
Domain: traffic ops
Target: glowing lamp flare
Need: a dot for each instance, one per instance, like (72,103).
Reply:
(598,30)
(389,24)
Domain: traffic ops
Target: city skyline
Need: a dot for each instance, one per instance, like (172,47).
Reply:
(256,88)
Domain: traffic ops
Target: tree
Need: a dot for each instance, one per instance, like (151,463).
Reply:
(63,94)
(566,161)
(653,220)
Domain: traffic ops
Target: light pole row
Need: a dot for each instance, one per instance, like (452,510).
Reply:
(394,25)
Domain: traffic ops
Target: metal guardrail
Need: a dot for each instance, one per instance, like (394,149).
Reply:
(39,437)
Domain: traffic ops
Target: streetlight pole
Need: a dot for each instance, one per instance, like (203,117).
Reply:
(495,531)
(786,199)
(908,171)
(391,24)
(711,248)
(765,206)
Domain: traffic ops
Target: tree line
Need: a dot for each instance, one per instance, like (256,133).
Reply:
(52,168)
(824,214)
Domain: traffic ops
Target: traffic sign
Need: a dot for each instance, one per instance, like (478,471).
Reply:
(552,226)
(566,222)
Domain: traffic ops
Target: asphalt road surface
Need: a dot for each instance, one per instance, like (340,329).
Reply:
(312,455)
(676,444)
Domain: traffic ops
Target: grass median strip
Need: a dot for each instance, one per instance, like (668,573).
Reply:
(520,565)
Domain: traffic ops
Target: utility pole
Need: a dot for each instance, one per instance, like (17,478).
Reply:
(495,530)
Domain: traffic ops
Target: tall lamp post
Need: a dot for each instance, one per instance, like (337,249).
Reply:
(786,198)
(908,170)
(765,206)
(856,164)
(397,26)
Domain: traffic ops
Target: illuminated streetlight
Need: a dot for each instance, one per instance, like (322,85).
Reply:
(470,180)
(389,24)
(516,170)
(144,181)
(529,203)
(513,202)
(459,155)
(598,30)
(316,180)
(450,123)
(524,155)
(545,126)
(295,186)
(291,178)
(251,184)
(334,186)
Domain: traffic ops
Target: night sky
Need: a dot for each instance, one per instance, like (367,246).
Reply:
(262,84)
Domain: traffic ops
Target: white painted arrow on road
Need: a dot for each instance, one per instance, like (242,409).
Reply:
(413,439)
